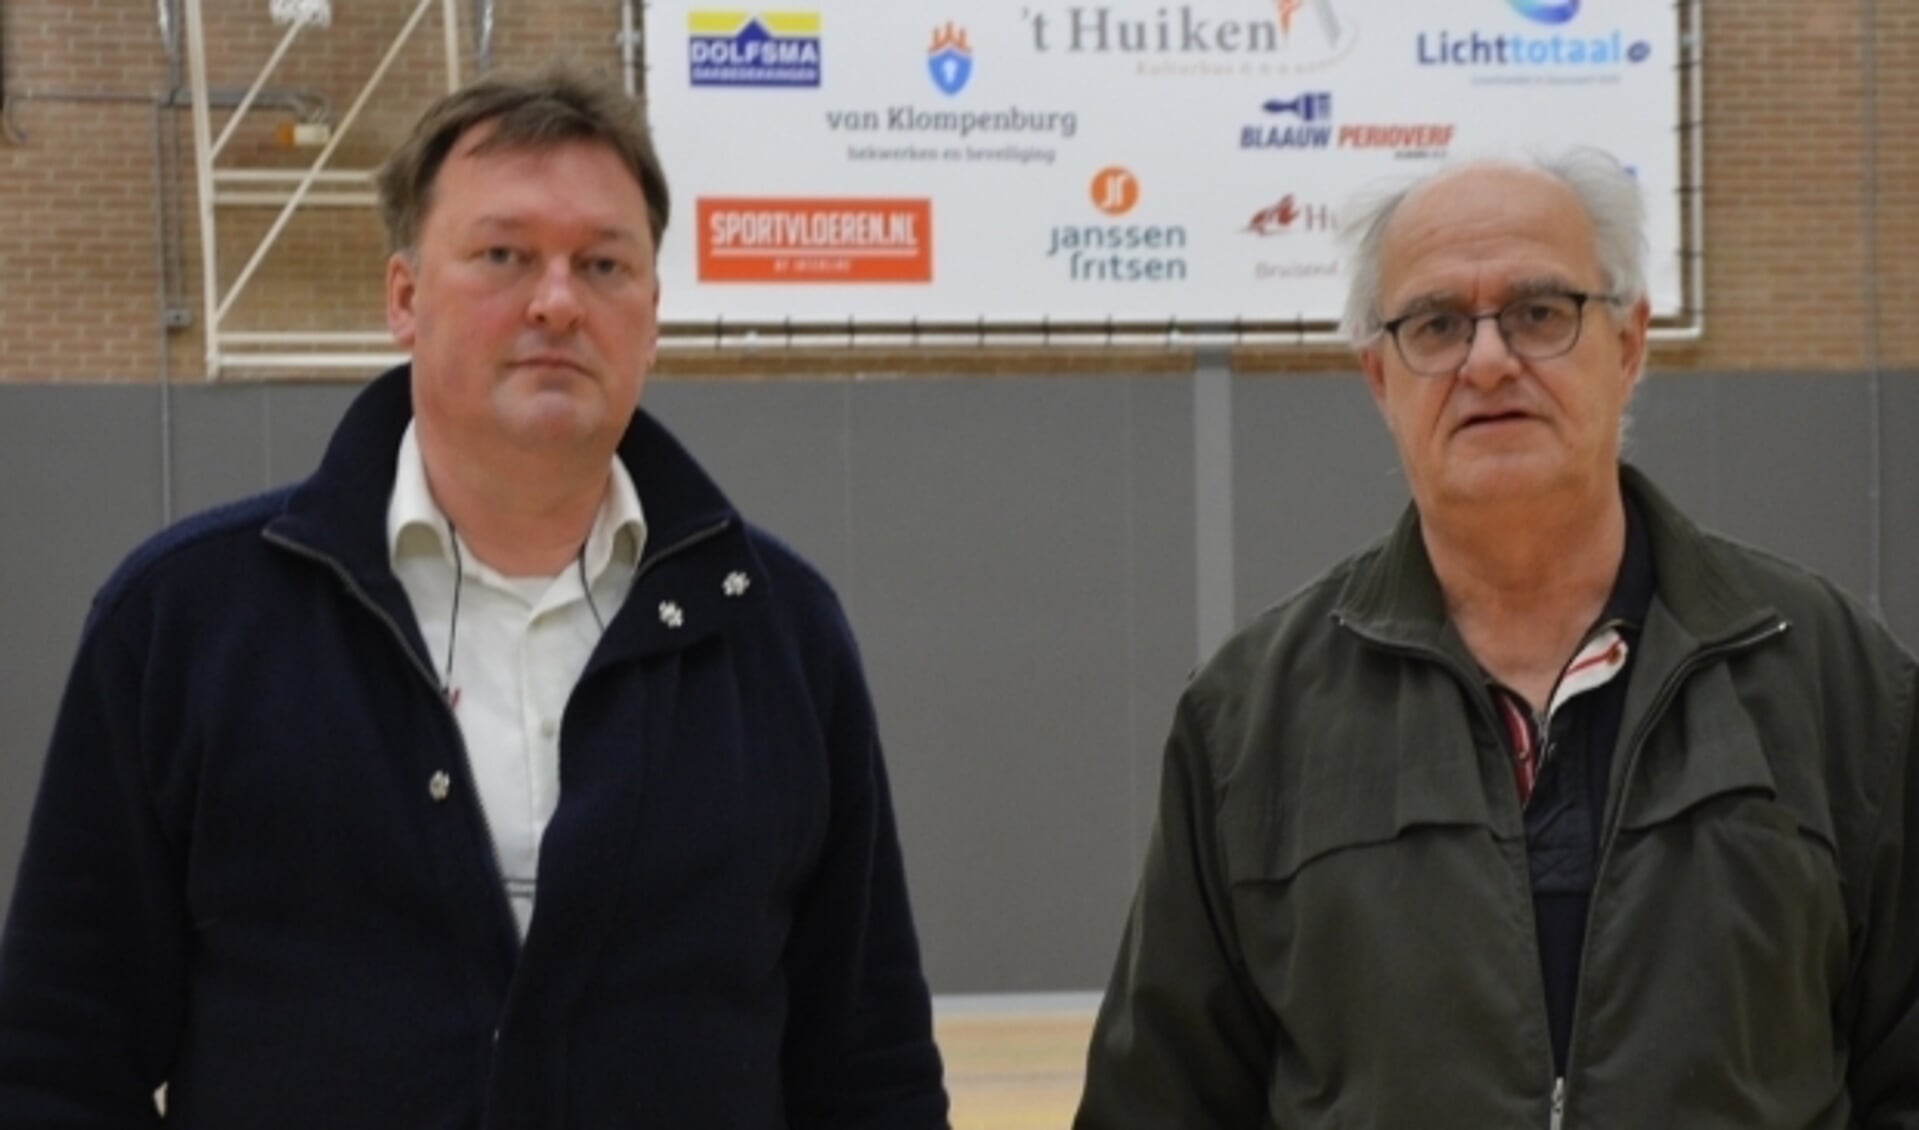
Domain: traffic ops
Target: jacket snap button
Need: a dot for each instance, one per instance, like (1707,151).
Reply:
(439,785)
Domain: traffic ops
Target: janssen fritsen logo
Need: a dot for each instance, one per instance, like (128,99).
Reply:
(1305,121)
(1293,35)
(1115,190)
(1116,252)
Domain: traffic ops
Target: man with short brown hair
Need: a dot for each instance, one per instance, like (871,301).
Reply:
(497,775)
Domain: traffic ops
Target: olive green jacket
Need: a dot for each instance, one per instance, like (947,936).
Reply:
(1334,925)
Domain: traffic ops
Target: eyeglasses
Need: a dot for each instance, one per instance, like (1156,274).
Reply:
(1538,327)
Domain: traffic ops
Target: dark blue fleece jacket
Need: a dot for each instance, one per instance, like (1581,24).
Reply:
(242,879)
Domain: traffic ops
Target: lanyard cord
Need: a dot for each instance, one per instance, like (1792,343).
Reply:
(586,590)
(453,620)
(447,688)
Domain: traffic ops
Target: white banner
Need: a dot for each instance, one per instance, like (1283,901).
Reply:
(1139,161)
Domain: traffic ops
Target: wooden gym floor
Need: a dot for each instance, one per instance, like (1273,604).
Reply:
(1014,1068)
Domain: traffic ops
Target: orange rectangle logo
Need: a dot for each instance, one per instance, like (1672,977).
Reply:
(845,240)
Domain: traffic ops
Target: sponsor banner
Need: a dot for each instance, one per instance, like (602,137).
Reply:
(1112,160)
(776,240)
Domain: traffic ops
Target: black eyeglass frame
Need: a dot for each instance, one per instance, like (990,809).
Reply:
(1579,297)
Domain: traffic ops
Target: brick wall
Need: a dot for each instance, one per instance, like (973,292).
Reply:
(97,211)
(1895,232)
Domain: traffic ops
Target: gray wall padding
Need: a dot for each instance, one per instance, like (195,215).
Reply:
(1018,555)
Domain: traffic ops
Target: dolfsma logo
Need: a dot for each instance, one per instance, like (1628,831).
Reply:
(1115,252)
(753,49)
(815,240)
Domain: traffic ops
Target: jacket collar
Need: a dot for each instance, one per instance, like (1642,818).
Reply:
(339,515)
(1393,596)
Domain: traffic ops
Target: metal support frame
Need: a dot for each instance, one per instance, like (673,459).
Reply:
(288,190)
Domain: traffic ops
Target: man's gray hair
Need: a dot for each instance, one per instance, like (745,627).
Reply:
(1608,192)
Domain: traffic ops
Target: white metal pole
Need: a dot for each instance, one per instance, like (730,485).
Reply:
(360,177)
(203,174)
(370,338)
(243,199)
(627,44)
(307,362)
(312,174)
(1698,155)
(246,103)
(450,23)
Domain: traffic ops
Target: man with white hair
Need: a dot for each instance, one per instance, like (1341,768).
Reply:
(1550,809)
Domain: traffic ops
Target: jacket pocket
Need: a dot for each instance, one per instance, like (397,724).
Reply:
(1720,924)
(1709,752)
(1384,921)
(1357,787)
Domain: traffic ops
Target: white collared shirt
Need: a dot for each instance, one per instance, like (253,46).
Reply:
(518,648)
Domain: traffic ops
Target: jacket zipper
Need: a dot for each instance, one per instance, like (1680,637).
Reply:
(1667,690)
(464,764)
(705,533)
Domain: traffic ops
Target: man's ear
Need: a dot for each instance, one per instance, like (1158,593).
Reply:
(653,346)
(1374,366)
(1633,334)
(401,288)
